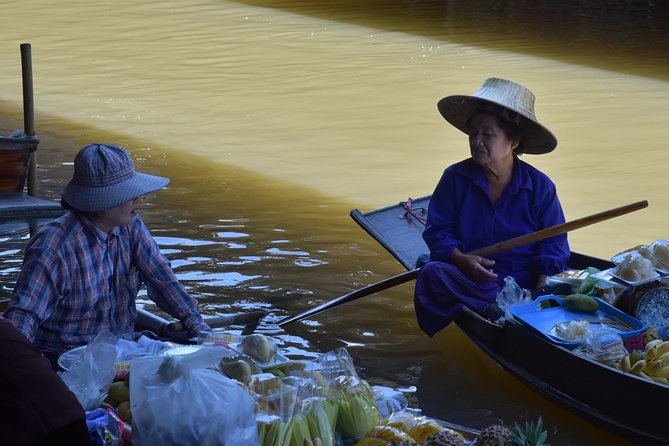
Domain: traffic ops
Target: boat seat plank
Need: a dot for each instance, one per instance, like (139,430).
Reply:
(396,230)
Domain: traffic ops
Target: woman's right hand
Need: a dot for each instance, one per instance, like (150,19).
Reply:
(477,268)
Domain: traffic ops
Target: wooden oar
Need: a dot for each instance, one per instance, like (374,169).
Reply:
(175,330)
(493,249)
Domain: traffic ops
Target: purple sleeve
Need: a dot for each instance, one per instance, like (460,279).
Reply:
(441,219)
(552,254)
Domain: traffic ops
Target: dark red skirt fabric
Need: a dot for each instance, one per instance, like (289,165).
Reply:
(35,401)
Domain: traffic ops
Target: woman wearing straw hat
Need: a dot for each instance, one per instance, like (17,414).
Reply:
(81,273)
(488,198)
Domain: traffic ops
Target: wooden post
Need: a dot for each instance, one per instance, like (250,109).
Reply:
(29,113)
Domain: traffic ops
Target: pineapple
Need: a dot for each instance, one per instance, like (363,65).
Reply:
(530,435)
(493,435)
(445,437)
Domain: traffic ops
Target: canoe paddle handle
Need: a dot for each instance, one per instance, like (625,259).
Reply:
(492,249)
(213,322)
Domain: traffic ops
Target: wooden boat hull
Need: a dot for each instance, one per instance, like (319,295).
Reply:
(15,153)
(623,403)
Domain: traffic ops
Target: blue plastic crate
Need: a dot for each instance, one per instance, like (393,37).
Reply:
(541,321)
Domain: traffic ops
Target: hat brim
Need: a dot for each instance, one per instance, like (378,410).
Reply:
(459,108)
(94,199)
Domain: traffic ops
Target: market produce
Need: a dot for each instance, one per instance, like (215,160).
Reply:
(124,411)
(531,434)
(581,302)
(118,396)
(661,254)
(357,413)
(657,252)
(272,431)
(322,422)
(300,430)
(491,435)
(572,330)
(402,420)
(446,437)
(260,383)
(404,428)
(259,347)
(314,425)
(652,364)
(387,433)
(635,267)
(236,368)
(423,429)
(119,391)
(287,368)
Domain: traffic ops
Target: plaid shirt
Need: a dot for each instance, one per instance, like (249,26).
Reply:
(77,281)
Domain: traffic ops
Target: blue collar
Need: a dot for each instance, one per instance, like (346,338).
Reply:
(520,178)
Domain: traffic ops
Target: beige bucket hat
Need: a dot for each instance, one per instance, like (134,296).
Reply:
(509,99)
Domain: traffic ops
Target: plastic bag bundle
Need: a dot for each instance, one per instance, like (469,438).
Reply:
(274,408)
(512,294)
(389,401)
(291,411)
(184,400)
(144,346)
(602,344)
(571,331)
(316,414)
(90,377)
(357,412)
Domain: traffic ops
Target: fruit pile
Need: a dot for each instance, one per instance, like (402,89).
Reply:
(531,434)
(403,429)
(651,364)
(118,396)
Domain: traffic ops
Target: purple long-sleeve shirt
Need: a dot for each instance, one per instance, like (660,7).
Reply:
(77,281)
(462,216)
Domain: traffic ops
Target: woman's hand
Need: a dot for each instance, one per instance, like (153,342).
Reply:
(477,268)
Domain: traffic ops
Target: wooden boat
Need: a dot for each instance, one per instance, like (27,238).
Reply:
(18,167)
(16,153)
(623,403)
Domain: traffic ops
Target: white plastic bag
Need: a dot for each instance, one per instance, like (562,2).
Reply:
(603,344)
(90,377)
(512,294)
(180,400)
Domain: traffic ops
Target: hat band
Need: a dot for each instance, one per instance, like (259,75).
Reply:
(105,180)
(501,111)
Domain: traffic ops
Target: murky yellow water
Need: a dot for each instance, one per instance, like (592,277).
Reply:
(275,118)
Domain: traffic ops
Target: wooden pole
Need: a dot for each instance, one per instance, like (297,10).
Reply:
(29,113)
(492,249)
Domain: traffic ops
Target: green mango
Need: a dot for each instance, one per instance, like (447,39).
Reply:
(239,370)
(119,391)
(581,302)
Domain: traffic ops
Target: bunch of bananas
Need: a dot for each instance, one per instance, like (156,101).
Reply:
(652,364)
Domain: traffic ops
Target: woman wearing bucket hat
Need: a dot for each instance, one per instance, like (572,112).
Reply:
(81,273)
(488,198)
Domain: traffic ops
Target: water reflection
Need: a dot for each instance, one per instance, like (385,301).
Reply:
(620,35)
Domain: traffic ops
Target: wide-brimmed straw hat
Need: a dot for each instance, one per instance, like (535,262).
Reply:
(508,99)
(105,177)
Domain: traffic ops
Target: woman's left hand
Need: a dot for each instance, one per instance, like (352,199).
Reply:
(477,268)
